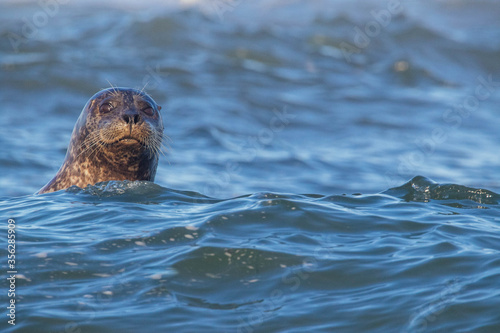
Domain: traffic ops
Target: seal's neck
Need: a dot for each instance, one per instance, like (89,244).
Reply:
(126,162)
(119,162)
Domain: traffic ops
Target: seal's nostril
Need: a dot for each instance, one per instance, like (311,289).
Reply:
(127,118)
(131,118)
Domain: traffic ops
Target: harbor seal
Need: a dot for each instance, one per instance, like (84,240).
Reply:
(118,136)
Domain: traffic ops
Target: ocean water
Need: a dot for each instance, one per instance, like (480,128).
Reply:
(331,166)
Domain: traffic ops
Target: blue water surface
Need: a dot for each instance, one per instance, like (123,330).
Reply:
(289,198)
(137,257)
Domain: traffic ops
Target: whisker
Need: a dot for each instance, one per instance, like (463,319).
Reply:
(88,143)
(153,143)
(93,145)
(112,86)
(163,150)
(162,147)
(97,147)
(167,138)
(144,87)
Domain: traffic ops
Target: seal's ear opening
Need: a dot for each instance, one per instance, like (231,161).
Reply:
(159,108)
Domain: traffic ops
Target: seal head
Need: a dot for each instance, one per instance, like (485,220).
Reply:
(117,137)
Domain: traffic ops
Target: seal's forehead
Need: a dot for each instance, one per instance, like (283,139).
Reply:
(125,94)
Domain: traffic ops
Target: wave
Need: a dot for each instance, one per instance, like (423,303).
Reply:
(422,189)
(418,189)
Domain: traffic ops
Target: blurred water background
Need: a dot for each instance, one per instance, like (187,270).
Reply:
(288,200)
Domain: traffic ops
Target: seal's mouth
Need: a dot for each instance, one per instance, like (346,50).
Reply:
(128,140)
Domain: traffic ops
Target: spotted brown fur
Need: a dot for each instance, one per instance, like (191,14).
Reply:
(117,137)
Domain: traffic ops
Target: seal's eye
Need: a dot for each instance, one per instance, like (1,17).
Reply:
(106,107)
(149,110)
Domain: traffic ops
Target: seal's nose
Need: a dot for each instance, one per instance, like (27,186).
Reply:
(131,116)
